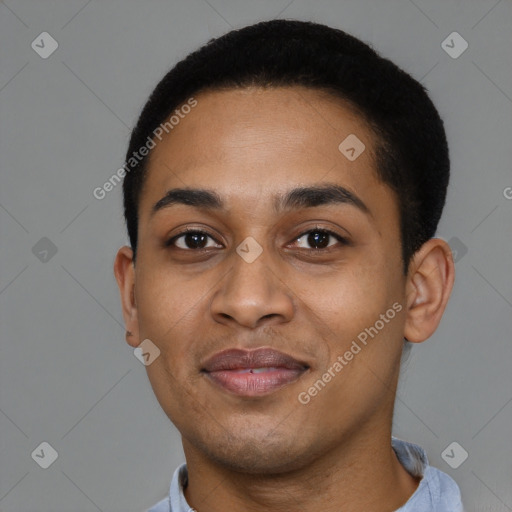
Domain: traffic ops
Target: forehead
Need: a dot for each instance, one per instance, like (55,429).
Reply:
(245,143)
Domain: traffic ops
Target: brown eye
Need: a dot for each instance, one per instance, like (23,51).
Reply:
(191,240)
(319,239)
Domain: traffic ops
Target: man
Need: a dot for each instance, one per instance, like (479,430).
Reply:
(283,187)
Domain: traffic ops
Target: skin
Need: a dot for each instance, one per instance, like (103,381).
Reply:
(272,452)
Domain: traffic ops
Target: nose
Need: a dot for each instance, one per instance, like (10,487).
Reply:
(253,294)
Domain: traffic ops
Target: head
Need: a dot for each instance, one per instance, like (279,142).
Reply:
(297,144)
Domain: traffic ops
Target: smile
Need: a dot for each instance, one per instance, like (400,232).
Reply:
(253,373)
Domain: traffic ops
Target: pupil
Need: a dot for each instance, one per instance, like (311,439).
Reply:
(198,240)
(318,239)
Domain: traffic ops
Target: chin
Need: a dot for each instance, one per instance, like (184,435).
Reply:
(256,453)
(255,461)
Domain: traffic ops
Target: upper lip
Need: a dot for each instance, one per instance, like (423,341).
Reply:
(235,359)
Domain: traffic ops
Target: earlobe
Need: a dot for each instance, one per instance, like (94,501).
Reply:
(429,284)
(124,272)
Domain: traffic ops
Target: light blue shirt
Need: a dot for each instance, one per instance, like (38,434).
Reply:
(436,492)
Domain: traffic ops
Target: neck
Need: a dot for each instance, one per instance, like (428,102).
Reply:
(358,475)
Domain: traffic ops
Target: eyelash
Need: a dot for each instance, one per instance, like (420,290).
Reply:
(170,243)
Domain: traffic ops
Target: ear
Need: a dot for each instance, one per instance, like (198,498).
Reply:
(429,284)
(124,270)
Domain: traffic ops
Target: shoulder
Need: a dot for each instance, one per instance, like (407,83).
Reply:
(175,501)
(161,506)
(445,493)
(437,491)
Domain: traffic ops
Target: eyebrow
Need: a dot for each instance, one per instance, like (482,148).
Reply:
(296,198)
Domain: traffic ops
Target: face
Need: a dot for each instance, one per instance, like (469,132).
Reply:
(292,255)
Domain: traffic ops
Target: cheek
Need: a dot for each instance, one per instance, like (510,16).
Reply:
(167,312)
(368,346)
(347,301)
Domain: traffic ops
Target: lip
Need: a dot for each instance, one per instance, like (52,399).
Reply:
(252,373)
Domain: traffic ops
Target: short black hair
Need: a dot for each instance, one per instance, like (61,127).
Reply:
(410,146)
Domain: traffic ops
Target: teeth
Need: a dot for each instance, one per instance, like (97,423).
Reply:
(261,370)
(256,370)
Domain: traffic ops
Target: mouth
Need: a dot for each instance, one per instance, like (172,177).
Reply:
(253,373)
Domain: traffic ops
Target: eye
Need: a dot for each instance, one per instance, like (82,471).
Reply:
(192,240)
(196,240)
(320,239)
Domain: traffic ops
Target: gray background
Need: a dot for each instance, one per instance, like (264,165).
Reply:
(68,377)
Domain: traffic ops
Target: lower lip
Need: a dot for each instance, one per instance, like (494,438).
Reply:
(243,383)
